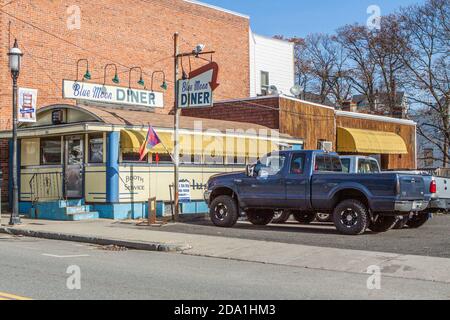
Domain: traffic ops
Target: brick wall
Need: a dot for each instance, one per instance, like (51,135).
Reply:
(261,111)
(125,32)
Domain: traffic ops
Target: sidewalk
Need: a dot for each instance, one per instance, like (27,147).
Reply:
(107,232)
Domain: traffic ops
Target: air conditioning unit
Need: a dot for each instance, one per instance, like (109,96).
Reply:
(326,146)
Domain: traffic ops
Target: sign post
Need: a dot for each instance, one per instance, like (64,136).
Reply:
(203,81)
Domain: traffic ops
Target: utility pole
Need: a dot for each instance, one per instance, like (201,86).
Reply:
(177,111)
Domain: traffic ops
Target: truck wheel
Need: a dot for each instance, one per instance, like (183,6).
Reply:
(260,217)
(323,217)
(224,212)
(351,217)
(281,216)
(383,223)
(304,217)
(418,220)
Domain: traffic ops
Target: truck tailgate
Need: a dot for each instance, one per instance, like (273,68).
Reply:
(411,187)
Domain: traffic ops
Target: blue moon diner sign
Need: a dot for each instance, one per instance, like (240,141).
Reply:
(84,91)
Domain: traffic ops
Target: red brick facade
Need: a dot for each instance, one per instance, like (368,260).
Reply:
(262,111)
(128,33)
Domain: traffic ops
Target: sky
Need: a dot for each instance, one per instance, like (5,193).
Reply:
(303,17)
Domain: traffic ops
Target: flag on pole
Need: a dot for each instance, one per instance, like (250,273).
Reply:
(150,142)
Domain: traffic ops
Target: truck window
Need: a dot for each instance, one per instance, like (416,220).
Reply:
(322,164)
(297,164)
(367,166)
(374,166)
(271,165)
(336,164)
(345,165)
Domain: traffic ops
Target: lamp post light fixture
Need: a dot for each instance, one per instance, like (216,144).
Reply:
(164,85)
(141,81)
(15,55)
(116,76)
(87,74)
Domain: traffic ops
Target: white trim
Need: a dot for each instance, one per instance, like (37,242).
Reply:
(247,99)
(307,102)
(374,117)
(274,39)
(217,8)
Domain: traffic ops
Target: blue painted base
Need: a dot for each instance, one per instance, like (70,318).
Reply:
(121,211)
(63,210)
(72,210)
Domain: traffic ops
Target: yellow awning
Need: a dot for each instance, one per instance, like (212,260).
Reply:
(368,141)
(130,140)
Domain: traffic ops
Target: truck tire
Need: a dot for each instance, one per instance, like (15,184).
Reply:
(383,224)
(260,217)
(281,216)
(224,212)
(351,217)
(324,217)
(418,220)
(304,217)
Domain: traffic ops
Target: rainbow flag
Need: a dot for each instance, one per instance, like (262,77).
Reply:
(150,142)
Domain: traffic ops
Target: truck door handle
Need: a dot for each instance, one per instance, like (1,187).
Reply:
(289,183)
(238,180)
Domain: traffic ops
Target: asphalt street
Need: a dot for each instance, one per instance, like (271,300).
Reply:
(37,269)
(433,239)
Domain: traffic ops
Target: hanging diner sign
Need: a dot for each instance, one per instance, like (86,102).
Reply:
(111,94)
(197,91)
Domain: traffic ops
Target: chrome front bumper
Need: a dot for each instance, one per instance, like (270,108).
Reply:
(408,206)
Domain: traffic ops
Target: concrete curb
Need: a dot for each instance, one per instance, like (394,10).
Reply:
(136,245)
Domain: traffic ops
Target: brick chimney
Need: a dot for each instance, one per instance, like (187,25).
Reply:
(349,106)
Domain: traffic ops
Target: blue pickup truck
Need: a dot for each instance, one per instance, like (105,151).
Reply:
(307,182)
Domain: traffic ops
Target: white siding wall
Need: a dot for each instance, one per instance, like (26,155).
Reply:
(275,57)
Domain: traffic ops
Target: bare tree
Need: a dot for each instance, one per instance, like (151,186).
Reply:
(356,39)
(427,59)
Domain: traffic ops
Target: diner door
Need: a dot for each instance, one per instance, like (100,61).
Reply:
(74,165)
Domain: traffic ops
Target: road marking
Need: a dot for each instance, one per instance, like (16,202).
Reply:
(65,257)
(8,296)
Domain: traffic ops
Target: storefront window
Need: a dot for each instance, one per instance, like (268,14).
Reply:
(96,148)
(158,158)
(131,156)
(51,151)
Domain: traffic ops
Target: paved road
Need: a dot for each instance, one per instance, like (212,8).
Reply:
(433,239)
(36,268)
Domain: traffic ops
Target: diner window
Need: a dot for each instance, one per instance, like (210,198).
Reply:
(51,151)
(158,158)
(133,156)
(265,84)
(96,148)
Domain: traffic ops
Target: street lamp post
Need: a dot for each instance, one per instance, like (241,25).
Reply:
(15,56)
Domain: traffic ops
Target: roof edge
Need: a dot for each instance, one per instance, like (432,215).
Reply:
(217,8)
